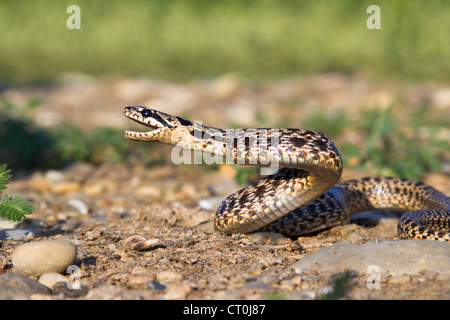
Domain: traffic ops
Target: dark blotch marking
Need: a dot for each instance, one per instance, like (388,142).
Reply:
(184,122)
(298,142)
(320,144)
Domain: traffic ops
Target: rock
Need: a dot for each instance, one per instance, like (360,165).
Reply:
(36,258)
(165,276)
(18,286)
(78,206)
(396,257)
(140,281)
(7,224)
(156,285)
(210,203)
(149,245)
(49,279)
(256,286)
(177,291)
(17,234)
(269,279)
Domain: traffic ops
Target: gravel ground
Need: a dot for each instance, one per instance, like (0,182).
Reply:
(141,233)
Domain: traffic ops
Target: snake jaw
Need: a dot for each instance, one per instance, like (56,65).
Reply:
(137,115)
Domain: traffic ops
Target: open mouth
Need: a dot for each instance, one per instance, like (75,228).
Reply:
(138,135)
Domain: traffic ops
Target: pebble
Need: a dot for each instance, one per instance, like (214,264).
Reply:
(17,234)
(140,281)
(396,257)
(210,203)
(7,224)
(49,279)
(156,285)
(18,286)
(269,279)
(177,291)
(39,257)
(77,205)
(149,245)
(256,286)
(165,276)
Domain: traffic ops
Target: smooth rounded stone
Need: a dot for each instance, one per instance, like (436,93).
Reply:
(165,276)
(269,279)
(7,224)
(18,286)
(210,203)
(256,286)
(17,234)
(177,291)
(78,206)
(49,279)
(397,257)
(36,258)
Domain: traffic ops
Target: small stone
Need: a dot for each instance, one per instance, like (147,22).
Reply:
(177,291)
(287,285)
(210,203)
(63,290)
(18,286)
(49,279)
(149,245)
(269,279)
(165,276)
(156,285)
(36,258)
(77,205)
(132,240)
(7,224)
(140,281)
(17,234)
(256,286)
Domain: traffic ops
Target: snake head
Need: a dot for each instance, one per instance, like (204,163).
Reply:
(161,124)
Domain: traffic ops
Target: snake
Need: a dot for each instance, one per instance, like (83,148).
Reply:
(304,195)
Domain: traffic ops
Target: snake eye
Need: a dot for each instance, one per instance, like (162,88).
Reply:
(146,113)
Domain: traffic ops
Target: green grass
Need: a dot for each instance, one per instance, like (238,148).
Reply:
(177,39)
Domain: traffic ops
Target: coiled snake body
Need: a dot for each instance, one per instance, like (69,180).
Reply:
(302,196)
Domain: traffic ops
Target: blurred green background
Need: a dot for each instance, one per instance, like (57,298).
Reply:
(179,39)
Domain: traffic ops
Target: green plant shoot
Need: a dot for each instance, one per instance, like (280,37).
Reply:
(12,208)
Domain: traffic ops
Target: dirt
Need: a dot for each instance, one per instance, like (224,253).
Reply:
(144,227)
